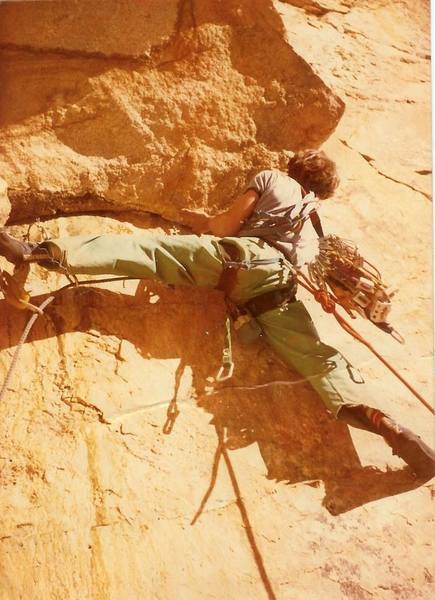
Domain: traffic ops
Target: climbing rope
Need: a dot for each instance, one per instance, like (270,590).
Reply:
(38,311)
(328,303)
(327,300)
(22,341)
(18,298)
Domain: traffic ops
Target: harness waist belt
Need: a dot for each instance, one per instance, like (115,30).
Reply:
(271,300)
(232,263)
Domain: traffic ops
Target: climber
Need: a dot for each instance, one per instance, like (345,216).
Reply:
(250,255)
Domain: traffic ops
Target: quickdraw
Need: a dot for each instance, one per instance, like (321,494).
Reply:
(227,368)
(233,262)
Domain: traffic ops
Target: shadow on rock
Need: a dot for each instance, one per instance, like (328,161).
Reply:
(270,406)
(299,442)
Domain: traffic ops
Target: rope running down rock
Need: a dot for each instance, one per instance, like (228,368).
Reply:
(33,319)
(328,304)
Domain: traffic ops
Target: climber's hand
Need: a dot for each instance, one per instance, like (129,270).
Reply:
(198,221)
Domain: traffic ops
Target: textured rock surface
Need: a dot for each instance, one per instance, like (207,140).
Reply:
(131,108)
(5,205)
(181,117)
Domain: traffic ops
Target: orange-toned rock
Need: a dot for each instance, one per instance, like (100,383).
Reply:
(253,490)
(5,205)
(181,117)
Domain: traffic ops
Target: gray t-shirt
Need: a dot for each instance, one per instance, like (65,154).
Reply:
(280,211)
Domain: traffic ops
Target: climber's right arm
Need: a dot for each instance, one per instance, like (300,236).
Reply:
(227,223)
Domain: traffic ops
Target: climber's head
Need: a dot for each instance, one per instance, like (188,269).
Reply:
(315,172)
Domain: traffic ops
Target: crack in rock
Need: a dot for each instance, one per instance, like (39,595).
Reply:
(64,52)
(371,162)
(311,7)
(70,401)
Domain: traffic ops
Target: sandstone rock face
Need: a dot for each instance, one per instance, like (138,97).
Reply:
(5,205)
(180,116)
(376,55)
(114,115)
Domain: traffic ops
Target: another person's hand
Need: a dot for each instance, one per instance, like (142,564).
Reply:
(198,221)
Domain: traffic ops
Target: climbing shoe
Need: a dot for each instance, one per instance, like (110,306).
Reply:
(403,442)
(19,251)
(409,447)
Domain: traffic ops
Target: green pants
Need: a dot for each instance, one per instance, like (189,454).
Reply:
(193,260)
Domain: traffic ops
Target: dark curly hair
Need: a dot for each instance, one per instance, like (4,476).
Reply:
(314,171)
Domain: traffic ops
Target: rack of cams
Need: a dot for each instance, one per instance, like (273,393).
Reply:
(340,270)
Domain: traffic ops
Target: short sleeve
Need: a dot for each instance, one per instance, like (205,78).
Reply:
(258,183)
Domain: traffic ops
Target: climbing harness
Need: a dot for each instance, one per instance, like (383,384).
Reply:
(272,228)
(283,225)
(242,317)
(339,271)
(271,300)
(232,263)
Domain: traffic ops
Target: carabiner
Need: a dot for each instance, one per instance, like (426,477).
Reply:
(222,374)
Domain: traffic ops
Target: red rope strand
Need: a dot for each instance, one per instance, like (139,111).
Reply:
(328,303)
